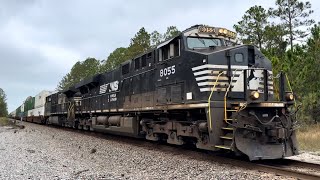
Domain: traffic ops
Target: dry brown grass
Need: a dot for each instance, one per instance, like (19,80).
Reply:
(309,138)
(7,122)
(4,121)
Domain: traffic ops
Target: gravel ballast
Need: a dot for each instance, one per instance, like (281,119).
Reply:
(40,152)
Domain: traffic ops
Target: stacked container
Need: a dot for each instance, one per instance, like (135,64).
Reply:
(29,103)
(13,114)
(18,112)
(40,99)
(28,106)
(30,113)
(39,106)
(22,109)
(37,112)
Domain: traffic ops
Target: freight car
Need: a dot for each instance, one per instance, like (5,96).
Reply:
(199,87)
(13,114)
(37,114)
(17,113)
(28,108)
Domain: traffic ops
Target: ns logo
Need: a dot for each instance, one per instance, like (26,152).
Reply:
(109,87)
(114,86)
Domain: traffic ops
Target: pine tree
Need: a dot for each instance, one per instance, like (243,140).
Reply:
(115,58)
(172,31)
(252,26)
(79,72)
(3,104)
(139,43)
(294,15)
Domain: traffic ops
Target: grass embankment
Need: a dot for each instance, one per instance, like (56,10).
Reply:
(309,138)
(4,121)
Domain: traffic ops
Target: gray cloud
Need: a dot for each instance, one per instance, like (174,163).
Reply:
(41,40)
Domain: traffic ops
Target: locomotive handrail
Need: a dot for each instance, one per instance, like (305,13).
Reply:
(294,99)
(70,113)
(225,95)
(209,99)
(228,89)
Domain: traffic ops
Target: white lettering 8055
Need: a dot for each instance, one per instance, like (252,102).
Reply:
(167,71)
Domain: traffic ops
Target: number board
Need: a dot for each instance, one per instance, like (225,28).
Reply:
(206,29)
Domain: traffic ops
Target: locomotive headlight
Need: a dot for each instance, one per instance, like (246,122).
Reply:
(225,32)
(254,95)
(289,97)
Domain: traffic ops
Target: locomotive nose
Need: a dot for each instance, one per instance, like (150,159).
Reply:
(244,55)
(244,62)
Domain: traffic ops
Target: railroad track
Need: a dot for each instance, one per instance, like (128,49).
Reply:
(301,163)
(283,167)
(293,168)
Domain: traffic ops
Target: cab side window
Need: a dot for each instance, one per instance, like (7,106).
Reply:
(125,69)
(144,60)
(137,63)
(170,50)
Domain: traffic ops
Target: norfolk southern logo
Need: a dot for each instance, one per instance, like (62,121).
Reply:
(109,87)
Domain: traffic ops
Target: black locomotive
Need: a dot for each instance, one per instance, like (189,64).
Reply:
(198,87)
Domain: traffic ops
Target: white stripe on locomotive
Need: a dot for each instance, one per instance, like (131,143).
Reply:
(206,77)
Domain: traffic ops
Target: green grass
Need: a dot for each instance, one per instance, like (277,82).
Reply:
(309,138)
(4,121)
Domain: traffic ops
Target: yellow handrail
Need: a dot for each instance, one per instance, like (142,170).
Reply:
(70,112)
(295,104)
(276,91)
(209,99)
(225,96)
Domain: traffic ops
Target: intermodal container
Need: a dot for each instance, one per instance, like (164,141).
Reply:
(22,107)
(38,111)
(29,104)
(40,99)
(18,111)
(30,113)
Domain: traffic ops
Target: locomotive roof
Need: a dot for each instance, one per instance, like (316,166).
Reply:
(70,91)
(192,30)
(88,81)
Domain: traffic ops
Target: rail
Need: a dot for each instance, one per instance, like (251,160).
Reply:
(292,168)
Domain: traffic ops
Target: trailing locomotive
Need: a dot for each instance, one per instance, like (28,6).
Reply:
(198,87)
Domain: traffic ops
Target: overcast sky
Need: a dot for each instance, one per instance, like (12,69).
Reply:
(40,40)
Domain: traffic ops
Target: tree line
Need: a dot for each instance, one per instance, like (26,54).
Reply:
(3,104)
(141,42)
(285,34)
(291,40)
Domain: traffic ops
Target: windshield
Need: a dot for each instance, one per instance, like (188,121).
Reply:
(200,42)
